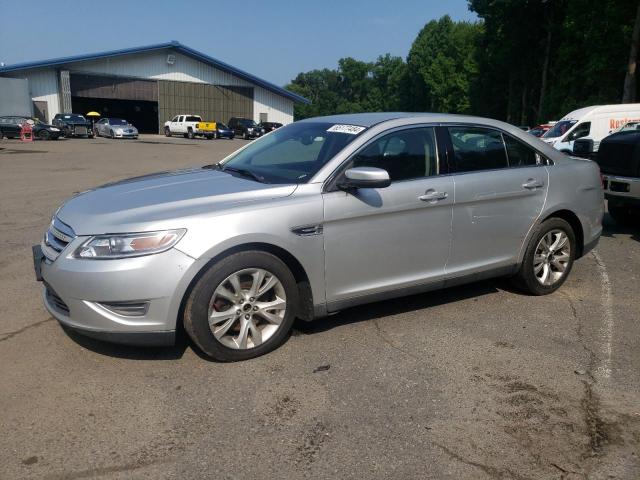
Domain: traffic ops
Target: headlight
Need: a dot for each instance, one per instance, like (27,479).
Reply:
(128,245)
(119,131)
(54,129)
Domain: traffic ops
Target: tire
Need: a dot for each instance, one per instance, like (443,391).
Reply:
(96,133)
(190,134)
(245,136)
(167,132)
(530,277)
(112,135)
(200,303)
(215,136)
(43,135)
(185,135)
(623,214)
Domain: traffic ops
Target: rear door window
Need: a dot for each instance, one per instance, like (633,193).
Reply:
(477,148)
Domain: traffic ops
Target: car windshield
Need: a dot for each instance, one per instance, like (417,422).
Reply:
(118,121)
(293,154)
(560,128)
(247,123)
(630,126)
(74,118)
(222,126)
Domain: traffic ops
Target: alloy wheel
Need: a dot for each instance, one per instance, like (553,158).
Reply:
(247,308)
(551,257)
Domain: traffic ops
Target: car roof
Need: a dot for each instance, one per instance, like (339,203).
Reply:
(375,118)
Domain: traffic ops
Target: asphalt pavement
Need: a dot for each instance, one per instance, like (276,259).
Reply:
(473,382)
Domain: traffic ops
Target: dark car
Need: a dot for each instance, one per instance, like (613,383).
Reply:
(269,126)
(10,127)
(245,127)
(223,131)
(618,157)
(73,125)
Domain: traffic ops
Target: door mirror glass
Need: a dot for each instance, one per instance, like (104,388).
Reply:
(365,177)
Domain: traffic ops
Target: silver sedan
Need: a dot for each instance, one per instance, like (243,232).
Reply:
(115,128)
(320,215)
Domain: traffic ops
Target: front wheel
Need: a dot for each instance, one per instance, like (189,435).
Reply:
(548,258)
(242,307)
(167,132)
(43,135)
(113,135)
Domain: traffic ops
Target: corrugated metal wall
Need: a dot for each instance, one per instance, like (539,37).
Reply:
(186,69)
(14,97)
(277,107)
(211,102)
(43,86)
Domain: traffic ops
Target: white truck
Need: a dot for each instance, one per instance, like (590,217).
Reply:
(190,126)
(590,123)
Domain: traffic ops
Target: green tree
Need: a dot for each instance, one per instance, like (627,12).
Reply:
(441,66)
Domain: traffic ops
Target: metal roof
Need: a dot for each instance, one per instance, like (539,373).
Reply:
(173,45)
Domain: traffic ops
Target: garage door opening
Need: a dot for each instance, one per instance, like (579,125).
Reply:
(133,99)
(142,114)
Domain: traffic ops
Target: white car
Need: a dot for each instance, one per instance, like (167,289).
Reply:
(115,128)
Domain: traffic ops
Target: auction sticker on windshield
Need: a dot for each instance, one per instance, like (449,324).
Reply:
(351,129)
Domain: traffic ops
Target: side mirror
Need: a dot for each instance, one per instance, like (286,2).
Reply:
(365,177)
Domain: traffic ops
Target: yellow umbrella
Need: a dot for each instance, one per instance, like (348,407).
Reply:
(93,115)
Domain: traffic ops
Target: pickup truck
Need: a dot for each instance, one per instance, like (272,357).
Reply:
(190,126)
(619,161)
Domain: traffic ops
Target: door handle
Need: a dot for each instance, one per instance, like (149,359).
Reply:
(532,184)
(433,196)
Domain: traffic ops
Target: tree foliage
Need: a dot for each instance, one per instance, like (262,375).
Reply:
(524,61)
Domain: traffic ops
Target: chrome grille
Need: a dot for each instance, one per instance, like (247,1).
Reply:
(80,130)
(56,302)
(56,239)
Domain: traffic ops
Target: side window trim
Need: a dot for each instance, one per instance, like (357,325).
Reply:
(330,182)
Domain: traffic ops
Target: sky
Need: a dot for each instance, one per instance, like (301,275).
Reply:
(272,39)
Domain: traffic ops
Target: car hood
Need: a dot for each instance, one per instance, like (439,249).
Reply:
(162,200)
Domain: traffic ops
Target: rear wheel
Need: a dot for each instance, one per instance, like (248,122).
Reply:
(548,258)
(190,134)
(242,307)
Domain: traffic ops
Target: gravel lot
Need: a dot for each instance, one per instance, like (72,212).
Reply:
(474,382)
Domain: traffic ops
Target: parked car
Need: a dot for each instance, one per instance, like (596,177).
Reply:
(320,215)
(245,127)
(190,126)
(115,128)
(593,123)
(540,130)
(619,161)
(269,126)
(10,127)
(73,125)
(222,131)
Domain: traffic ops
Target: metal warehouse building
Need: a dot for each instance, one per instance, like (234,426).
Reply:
(149,85)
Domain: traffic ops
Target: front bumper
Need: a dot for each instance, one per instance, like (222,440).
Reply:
(621,190)
(126,135)
(77,293)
